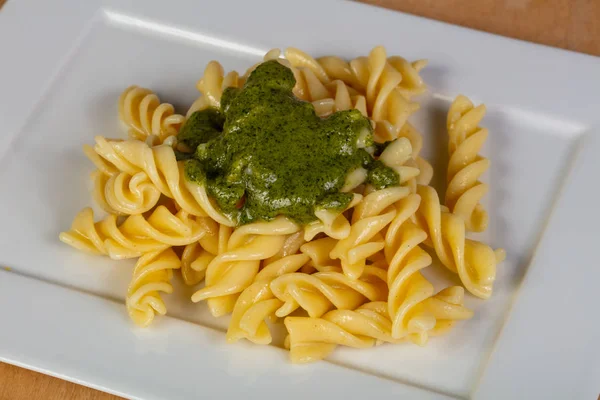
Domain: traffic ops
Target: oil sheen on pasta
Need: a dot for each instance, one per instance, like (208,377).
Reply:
(266,153)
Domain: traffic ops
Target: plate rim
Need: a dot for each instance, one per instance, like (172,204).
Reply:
(83,14)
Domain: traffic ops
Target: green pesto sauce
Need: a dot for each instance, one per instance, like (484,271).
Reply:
(266,153)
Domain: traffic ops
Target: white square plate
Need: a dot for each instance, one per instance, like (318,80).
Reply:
(63,65)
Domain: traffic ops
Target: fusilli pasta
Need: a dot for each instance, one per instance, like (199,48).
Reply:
(466,138)
(474,262)
(257,303)
(124,194)
(152,275)
(161,166)
(135,236)
(146,117)
(350,277)
(234,270)
(312,339)
(331,288)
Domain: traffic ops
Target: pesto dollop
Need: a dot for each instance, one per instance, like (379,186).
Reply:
(266,153)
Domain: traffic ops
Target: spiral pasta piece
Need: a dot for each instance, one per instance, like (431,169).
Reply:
(410,294)
(466,139)
(146,117)
(378,86)
(474,262)
(234,270)
(313,339)
(291,245)
(374,213)
(387,84)
(447,307)
(326,290)
(135,236)
(333,223)
(165,172)
(120,192)
(257,303)
(370,217)
(124,194)
(319,251)
(407,287)
(397,156)
(211,86)
(196,256)
(340,97)
(411,84)
(152,275)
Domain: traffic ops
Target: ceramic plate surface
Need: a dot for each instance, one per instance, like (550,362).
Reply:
(64,64)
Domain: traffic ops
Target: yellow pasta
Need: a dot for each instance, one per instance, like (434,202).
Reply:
(211,87)
(373,216)
(379,87)
(234,270)
(374,213)
(332,223)
(474,262)
(125,194)
(312,339)
(409,300)
(340,97)
(291,245)
(348,273)
(410,85)
(398,157)
(319,251)
(257,303)
(447,308)
(135,236)
(146,117)
(161,166)
(407,287)
(326,290)
(466,138)
(197,255)
(152,275)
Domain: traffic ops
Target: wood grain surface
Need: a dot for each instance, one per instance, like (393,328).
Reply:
(568,24)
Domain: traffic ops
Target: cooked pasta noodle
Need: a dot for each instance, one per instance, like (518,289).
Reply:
(326,290)
(379,87)
(291,245)
(333,224)
(474,262)
(334,245)
(319,251)
(152,275)
(257,303)
(397,156)
(125,194)
(340,97)
(312,339)
(407,287)
(466,138)
(135,236)
(211,87)
(161,166)
(234,270)
(374,213)
(146,117)
(194,260)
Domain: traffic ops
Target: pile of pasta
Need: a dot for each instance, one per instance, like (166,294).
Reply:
(350,278)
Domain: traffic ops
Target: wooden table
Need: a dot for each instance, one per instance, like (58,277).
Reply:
(569,24)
